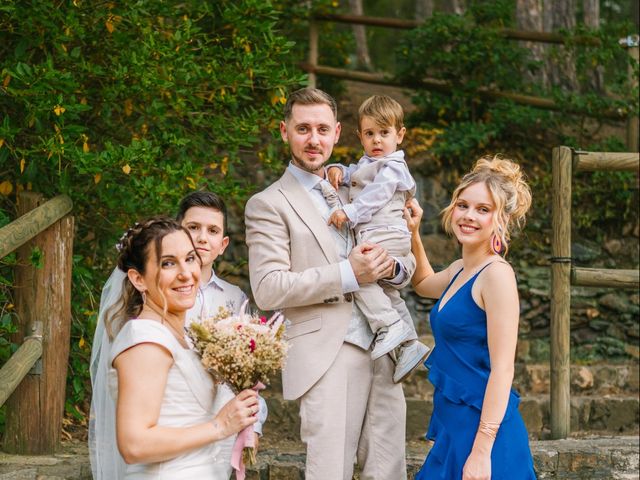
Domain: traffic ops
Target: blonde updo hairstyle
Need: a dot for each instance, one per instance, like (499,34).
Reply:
(135,247)
(509,192)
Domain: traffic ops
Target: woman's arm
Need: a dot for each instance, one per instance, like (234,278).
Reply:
(499,296)
(142,378)
(425,281)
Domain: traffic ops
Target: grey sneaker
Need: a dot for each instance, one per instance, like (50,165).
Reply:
(409,357)
(386,341)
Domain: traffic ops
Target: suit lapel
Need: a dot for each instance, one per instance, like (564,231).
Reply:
(303,205)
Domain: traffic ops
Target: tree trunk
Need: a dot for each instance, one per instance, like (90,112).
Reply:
(591,13)
(360,33)
(529,16)
(424,9)
(456,7)
(561,14)
(592,20)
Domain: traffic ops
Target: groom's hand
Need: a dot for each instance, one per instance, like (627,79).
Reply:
(370,263)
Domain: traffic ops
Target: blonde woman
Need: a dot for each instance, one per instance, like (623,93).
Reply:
(477,429)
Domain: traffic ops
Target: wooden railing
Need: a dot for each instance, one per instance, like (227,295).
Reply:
(32,381)
(563,274)
(313,68)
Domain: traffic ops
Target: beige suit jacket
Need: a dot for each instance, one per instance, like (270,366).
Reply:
(293,266)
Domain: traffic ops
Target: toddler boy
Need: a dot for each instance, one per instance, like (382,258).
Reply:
(379,186)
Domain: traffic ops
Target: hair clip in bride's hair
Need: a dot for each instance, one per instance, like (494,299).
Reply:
(125,235)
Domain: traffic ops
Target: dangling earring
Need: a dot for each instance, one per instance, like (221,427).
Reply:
(144,297)
(496,244)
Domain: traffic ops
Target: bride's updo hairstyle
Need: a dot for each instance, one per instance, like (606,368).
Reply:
(509,190)
(135,247)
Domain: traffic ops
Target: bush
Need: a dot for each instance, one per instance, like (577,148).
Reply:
(127,106)
(469,53)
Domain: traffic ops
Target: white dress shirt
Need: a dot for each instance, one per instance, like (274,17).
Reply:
(213,295)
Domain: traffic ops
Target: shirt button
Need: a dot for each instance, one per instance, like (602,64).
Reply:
(353,184)
(348,297)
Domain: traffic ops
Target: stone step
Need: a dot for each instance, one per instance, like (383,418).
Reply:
(595,379)
(602,458)
(589,414)
(608,379)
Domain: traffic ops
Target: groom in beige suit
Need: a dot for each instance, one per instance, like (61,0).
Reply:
(349,406)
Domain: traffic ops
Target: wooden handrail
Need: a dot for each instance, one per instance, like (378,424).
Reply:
(444,87)
(593,161)
(18,365)
(602,277)
(24,228)
(511,34)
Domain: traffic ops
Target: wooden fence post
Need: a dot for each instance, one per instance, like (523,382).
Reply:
(561,292)
(43,303)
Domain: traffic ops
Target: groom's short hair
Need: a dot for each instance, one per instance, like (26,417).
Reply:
(206,200)
(309,96)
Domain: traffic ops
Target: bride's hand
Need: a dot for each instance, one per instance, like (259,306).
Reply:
(238,413)
(413,214)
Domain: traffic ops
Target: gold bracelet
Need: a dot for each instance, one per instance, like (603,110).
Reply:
(490,429)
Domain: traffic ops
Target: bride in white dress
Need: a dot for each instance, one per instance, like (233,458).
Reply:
(153,405)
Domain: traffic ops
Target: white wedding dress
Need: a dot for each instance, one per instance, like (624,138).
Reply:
(190,398)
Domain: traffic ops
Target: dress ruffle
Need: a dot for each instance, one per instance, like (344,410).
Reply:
(458,393)
(442,452)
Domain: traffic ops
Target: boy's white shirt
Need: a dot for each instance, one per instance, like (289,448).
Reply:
(393,177)
(211,296)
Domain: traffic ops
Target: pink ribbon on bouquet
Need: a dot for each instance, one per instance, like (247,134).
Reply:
(244,439)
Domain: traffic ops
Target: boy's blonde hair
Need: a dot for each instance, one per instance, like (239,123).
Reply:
(384,110)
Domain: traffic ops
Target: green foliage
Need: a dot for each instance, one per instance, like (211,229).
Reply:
(7,315)
(125,107)
(469,54)
(335,40)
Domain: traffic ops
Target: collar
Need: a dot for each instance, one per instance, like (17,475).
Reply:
(213,281)
(398,155)
(306,179)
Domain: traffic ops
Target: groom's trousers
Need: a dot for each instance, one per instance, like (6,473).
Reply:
(355,411)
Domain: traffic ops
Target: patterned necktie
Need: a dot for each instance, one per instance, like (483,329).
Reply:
(333,200)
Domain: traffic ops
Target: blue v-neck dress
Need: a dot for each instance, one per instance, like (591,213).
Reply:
(459,369)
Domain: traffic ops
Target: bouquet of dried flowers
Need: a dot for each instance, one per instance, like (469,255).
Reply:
(244,351)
